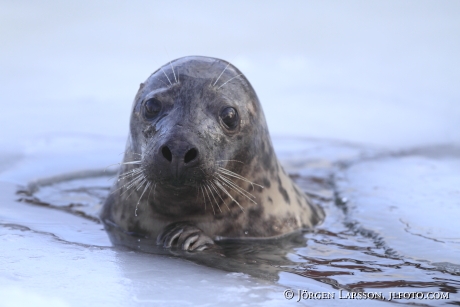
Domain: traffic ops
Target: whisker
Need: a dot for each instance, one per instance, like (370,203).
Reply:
(130,173)
(204,198)
(163,82)
(132,162)
(220,186)
(136,169)
(229,80)
(221,74)
(218,194)
(205,186)
(235,186)
(141,183)
(230,161)
(135,182)
(197,193)
(226,172)
(120,163)
(132,183)
(172,67)
(212,194)
(140,198)
(129,182)
(151,187)
(166,76)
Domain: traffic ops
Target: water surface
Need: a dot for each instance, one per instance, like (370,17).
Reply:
(390,227)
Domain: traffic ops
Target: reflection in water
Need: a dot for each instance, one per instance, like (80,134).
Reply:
(340,253)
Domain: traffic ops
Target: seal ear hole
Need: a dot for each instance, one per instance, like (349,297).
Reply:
(190,155)
(167,153)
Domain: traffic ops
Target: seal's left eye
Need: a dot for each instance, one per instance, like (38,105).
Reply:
(229,117)
(151,108)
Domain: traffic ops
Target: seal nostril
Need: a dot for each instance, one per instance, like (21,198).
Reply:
(166,153)
(190,155)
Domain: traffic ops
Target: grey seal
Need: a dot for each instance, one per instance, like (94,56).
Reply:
(199,164)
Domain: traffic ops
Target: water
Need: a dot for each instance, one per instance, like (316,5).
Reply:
(380,235)
(369,90)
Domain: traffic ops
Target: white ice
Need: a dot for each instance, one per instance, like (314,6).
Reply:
(382,74)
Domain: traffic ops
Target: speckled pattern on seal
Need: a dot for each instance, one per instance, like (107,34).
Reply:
(199,163)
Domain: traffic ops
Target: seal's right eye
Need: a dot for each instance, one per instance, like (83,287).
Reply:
(229,117)
(151,108)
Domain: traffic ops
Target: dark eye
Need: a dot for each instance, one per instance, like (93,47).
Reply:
(229,117)
(151,108)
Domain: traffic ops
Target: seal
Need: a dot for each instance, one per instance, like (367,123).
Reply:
(199,164)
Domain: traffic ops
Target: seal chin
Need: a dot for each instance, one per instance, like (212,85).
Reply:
(179,185)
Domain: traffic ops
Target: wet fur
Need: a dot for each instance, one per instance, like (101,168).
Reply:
(266,203)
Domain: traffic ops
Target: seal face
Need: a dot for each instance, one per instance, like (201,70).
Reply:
(199,164)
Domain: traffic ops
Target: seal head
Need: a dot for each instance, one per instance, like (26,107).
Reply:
(199,164)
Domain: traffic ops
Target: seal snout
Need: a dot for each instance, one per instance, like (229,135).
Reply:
(189,156)
(176,158)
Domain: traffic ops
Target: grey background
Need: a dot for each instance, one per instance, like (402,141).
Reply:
(373,72)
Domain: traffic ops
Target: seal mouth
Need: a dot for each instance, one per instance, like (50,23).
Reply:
(179,184)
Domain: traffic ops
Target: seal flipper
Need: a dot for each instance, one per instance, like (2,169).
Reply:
(185,236)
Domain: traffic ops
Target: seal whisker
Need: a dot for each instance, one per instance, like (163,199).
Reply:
(135,181)
(140,198)
(135,170)
(141,179)
(141,184)
(151,187)
(135,153)
(105,169)
(226,172)
(212,194)
(132,183)
(204,198)
(230,80)
(239,192)
(128,176)
(121,163)
(220,186)
(197,192)
(230,161)
(172,67)
(221,74)
(163,82)
(210,201)
(238,188)
(130,173)
(166,76)
(131,152)
(212,183)
(129,182)
(131,162)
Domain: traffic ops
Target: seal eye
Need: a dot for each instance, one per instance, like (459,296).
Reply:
(151,108)
(229,117)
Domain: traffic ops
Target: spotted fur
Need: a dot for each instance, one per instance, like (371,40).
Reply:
(259,200)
